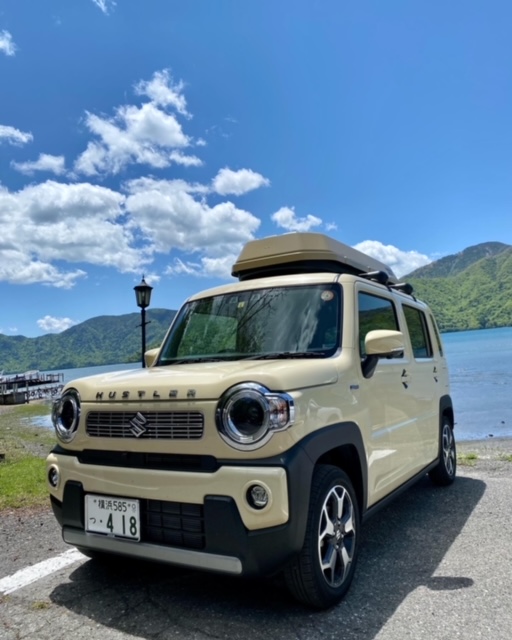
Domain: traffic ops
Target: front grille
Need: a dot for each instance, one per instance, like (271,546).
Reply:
(175,425)
(175,524)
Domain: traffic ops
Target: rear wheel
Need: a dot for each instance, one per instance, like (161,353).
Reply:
(444,473)
(321,574)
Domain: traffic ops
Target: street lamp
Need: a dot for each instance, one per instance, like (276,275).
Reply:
(143,296)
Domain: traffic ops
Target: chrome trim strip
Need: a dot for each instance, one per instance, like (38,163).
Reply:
(145,551)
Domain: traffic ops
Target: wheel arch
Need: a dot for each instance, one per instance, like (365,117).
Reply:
(346,458)
(341,445)
(446,409)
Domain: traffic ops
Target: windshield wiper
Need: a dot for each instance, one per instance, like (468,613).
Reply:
(190,361)
(281,355)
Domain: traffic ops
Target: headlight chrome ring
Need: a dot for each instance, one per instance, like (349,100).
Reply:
(66,415)
(248,414)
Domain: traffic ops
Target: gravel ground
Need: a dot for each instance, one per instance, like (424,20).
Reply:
(434,565)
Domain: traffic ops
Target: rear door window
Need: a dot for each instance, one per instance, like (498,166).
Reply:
(418,332)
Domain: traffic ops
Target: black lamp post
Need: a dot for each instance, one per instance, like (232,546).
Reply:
(143,296)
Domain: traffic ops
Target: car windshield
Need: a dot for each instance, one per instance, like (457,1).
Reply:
(278,322)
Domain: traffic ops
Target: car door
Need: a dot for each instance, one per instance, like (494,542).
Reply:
(426,376)
(385,395)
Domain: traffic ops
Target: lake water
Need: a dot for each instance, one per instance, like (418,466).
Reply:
(480,364)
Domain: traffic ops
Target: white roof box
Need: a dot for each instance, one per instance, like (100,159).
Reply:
(303,253)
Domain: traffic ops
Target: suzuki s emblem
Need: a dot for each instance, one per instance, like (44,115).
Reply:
(138,425)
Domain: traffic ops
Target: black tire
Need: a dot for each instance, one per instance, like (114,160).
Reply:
(321,574)
(444,474)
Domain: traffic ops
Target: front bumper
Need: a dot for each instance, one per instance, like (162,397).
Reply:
(234,537)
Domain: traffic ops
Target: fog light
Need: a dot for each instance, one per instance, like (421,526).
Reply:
(54,477)
(257,496)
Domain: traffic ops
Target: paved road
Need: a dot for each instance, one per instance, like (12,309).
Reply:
(436,564)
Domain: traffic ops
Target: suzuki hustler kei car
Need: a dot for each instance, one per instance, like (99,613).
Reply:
(279,413)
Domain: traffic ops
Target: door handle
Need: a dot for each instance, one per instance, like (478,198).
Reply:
(405,379)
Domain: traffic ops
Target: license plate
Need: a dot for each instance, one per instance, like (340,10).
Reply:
(112,516)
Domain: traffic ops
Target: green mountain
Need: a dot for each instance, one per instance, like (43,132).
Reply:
(100,340)
(469,290)
(455,264)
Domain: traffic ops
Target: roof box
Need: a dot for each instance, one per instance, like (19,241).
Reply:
(303,253)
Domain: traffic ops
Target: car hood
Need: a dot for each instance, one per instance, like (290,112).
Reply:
(204,381)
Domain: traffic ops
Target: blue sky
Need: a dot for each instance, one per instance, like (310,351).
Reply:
(157,137)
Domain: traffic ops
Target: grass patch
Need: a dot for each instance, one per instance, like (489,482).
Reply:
(507,457)
(24,448)
(23,483)
(467,459)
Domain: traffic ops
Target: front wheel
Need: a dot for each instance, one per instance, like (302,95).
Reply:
(444,473)
(321,574)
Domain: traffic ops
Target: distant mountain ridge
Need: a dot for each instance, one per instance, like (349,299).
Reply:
(97,341)
(469,290)
(458,262)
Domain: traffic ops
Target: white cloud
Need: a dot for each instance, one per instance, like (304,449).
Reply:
(55,325)
(165,187)
(171,218)
(142,135)
(6,43)
(14,136)
(105,5)
(207,267)
(186,161)
(184,268)
(238,182)
(45,162)
(287,219)
(73,223)
(17,267)
(402,262)
(162,92)
(12,330)
(50,230)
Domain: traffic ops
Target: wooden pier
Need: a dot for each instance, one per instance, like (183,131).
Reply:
(21,388)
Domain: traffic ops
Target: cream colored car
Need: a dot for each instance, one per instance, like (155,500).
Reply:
(278,414)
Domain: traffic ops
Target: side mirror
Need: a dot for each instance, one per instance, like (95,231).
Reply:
(381,343)
(384,343)
(150,356)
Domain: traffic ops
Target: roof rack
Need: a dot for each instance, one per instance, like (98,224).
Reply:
(404,287)
(377,276)
(305,253)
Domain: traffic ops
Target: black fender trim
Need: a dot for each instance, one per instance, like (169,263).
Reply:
(320,446)
(446,406)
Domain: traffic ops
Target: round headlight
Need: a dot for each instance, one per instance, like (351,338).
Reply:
(248,413)
(66,415)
